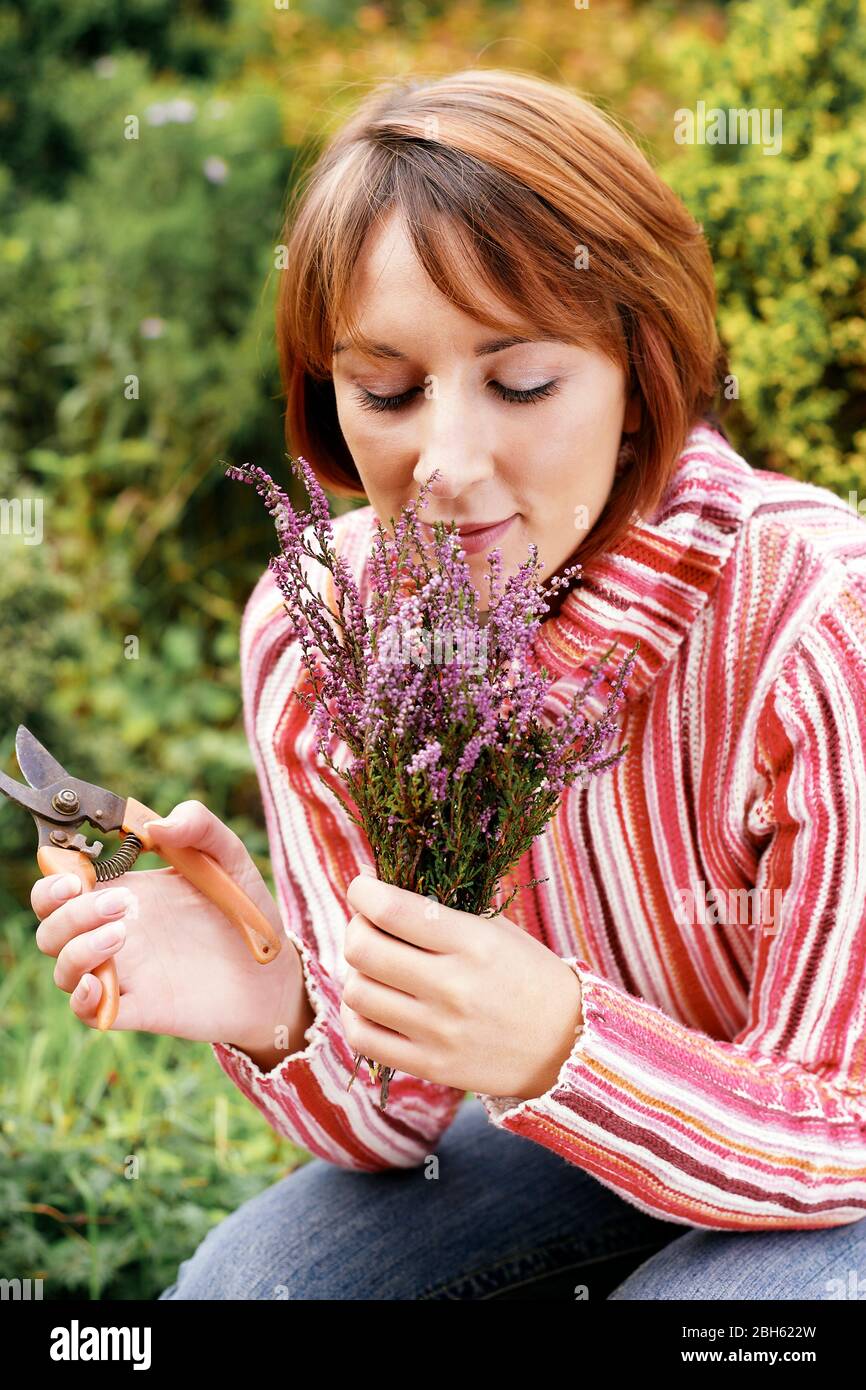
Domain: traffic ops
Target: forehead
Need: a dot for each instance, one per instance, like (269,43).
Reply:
(392,293)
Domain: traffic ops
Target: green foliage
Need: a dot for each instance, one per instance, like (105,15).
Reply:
(134,313)
(39,40)
(788,231)
(118,1151)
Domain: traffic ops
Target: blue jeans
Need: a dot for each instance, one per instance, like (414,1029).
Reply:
(505,1218)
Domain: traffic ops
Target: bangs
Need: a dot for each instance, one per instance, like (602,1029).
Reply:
(468,228)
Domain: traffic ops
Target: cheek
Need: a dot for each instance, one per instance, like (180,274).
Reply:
(559,509)
(379,459)
(362,430)
(365,431)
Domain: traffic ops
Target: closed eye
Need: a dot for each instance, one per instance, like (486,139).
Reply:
(505,393)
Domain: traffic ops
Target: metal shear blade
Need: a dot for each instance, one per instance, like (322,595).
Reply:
(58,802)
(38,765)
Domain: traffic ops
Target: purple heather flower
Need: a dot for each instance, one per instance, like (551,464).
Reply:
(427,757)
(444,747)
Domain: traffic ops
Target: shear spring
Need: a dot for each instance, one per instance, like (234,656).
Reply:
(118,863)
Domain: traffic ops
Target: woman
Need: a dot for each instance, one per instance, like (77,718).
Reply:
(487,280)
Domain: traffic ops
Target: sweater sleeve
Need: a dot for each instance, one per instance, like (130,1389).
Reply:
(768,1130)
(305,1097)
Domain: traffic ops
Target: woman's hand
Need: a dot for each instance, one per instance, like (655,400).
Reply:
(466,1001)
(182,968)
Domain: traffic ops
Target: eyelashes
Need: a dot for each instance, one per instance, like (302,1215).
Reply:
(505,393)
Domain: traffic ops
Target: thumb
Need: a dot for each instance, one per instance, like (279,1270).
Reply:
(193,825)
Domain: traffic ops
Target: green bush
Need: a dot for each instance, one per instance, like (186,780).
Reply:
(788,231)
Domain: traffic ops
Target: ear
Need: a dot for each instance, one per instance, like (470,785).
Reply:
(632,417)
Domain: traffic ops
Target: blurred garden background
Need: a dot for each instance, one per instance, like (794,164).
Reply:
(154,259)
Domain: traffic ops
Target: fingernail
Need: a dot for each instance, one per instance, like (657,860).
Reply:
(65,887)
(107,937)
(365,869)
(113,900)
(82,989)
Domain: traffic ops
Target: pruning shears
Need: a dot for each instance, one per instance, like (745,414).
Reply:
(60,804)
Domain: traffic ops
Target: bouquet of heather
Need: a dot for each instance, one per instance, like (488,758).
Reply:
(456,769)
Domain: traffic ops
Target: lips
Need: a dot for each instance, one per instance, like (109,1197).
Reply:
(471,528)
(475,536)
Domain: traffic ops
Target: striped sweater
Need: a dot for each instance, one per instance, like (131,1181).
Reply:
(709,891)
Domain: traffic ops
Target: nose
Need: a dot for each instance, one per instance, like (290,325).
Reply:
(453,439)
(458,464)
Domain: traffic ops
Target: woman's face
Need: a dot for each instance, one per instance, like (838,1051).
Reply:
(544,462)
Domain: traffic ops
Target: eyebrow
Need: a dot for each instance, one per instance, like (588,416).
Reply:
(482,350)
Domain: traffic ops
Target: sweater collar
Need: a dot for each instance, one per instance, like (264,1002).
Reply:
(655,581)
